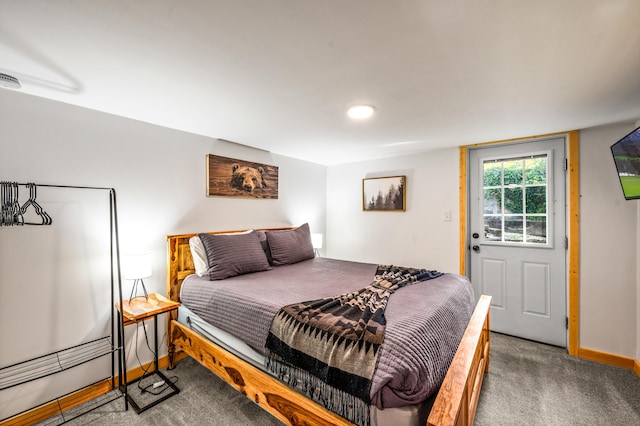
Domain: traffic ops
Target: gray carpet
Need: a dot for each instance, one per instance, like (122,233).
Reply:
(528,384)
(533,384)
(204,399)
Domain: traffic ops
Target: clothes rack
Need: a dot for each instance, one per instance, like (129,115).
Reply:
(12,213)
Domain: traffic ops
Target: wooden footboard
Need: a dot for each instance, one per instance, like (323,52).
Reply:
(272,395)
(457,399)
(455,403)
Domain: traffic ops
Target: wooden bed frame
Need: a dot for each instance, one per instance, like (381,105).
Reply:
(455,403)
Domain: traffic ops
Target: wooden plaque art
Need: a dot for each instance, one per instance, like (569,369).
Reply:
(230,177)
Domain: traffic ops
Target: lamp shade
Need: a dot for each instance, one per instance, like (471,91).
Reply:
(136,266)
(316,241)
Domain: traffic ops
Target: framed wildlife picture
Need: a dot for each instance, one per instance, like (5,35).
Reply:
(386,194)
(231,177)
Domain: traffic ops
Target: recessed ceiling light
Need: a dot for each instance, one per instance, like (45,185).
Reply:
(359,112)
(10,81)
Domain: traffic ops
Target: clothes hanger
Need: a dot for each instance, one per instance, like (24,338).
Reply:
(8,195)
(46,219)
(16,213)
(4,204)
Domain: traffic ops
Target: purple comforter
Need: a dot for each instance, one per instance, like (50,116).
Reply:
(425,322)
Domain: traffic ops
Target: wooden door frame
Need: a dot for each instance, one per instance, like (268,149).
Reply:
(573,221)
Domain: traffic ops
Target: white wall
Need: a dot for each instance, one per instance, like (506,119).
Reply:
(54,280)
(418,237)
(638,286)
(608,248)
(637,124)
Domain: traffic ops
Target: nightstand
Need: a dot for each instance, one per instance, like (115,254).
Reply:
(137,310)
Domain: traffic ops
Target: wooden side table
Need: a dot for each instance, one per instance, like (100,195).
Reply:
(140,309)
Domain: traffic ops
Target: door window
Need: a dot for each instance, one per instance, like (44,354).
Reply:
(516,195)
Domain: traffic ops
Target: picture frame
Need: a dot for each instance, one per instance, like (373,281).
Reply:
(231,177)
(388,194)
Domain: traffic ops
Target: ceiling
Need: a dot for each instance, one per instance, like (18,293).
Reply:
(279,74)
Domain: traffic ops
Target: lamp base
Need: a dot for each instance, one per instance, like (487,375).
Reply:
(135,288)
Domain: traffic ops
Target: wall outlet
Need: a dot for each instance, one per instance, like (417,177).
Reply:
(446,216)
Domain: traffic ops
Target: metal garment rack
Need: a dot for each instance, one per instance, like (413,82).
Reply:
(12,214)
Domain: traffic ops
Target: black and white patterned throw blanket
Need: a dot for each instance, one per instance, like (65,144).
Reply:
(336,340)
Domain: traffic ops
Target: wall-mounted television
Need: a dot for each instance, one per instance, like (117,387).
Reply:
(626,155)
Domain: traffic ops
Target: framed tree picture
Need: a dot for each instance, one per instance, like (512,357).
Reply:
(384,194)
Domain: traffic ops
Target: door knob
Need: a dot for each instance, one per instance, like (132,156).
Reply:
(475,235)
(476,248)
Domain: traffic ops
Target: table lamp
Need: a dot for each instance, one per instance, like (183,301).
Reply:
(316,242)
(136,267)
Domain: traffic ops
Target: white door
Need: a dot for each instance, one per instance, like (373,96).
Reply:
(517,237)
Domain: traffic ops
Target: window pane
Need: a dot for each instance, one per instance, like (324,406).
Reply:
(493,228)
(536,170)
(513,229)
(515,203)
(537,199)
(513,200)
(537,229)
(493,201)
(492,174)
(513,172)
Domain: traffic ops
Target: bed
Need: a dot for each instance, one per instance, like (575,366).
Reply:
(240,362)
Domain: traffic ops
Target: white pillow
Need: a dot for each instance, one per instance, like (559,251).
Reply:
(199,256)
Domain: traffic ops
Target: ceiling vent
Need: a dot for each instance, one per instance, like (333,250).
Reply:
(9,81)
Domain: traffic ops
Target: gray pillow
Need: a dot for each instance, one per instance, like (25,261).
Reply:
(290,246)
(262,236)
(229,255)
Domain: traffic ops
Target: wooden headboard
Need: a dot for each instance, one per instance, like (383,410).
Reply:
(179,263)
(179,260)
